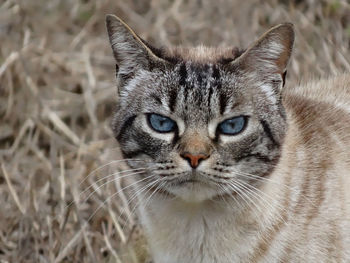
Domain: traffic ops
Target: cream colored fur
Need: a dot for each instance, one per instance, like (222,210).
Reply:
(304,210)
(296,205)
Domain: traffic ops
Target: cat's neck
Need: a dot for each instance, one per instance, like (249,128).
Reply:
(179,230)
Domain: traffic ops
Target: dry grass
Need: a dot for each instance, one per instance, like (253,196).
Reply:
(56,99)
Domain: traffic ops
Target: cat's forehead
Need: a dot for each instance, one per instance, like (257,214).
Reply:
(191,90)
(202,69)
(199,91)
(198,76)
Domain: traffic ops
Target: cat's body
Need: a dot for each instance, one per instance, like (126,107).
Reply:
(308,195)
(233,171)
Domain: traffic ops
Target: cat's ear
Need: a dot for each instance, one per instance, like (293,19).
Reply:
(270,54)
(130,51)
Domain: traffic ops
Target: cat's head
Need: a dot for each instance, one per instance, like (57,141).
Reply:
(203,121)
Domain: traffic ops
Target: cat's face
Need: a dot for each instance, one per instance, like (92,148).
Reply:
(203,122)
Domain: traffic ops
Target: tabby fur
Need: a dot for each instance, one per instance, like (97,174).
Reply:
(277,192)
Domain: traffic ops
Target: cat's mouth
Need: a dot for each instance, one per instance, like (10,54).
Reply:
(191,187)
(189,178)
(187,181)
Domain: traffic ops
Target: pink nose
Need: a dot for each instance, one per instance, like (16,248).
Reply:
(194,160)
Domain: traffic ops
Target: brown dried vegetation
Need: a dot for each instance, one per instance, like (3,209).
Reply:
(57,93)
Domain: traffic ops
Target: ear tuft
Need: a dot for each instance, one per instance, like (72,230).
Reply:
(272,51)
(130,52)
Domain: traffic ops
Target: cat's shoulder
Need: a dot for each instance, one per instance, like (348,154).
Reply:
(332,93)
(317,103)
(332,89)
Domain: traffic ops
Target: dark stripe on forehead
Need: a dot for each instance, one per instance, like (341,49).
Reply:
(185,94)
(195,71)
(206,69)
(216,73)
(173,91)
(199,79)
(202,76)
(223,102)
(217,83)
(183,74)
(156,98)
(199,72)
(172,94)
(209,96)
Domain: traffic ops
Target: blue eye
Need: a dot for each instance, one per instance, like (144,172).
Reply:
(160,123)
(233,126)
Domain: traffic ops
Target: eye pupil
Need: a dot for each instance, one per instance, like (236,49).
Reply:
(233,126)
(161,123)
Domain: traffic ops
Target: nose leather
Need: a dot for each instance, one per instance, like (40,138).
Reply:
(194,160)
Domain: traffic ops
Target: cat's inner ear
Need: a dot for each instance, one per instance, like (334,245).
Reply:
(270,53)
(129,50)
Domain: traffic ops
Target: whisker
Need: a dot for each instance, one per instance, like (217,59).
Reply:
(91,185)
(135,194)
(155,191)
(111,175)
(110,197)
(278,205)
(103,166)
(255,195)
(252,176)
(149,198)
(139,202)
(231,195)
(263,193)
(242,194)
(237,190)
(279,216)
(110,181)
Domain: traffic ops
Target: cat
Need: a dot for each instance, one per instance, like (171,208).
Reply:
(237,168)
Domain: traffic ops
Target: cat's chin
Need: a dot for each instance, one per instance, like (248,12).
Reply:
(194,191)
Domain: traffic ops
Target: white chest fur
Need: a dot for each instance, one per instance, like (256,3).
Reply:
(197,233)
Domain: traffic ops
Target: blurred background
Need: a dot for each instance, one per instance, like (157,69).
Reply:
(57,93)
